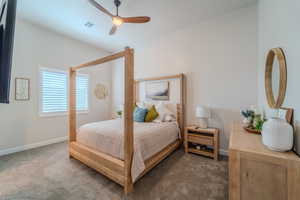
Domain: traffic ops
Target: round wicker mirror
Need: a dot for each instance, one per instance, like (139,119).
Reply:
(275,85)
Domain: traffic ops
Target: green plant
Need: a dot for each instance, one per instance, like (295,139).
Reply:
(248,113)
(256,121)
(119,113)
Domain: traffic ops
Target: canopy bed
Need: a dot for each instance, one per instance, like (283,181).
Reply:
(115,147)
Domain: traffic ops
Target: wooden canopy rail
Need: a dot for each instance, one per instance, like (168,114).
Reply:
(116,169)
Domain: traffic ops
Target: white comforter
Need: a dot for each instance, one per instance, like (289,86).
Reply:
(149,138)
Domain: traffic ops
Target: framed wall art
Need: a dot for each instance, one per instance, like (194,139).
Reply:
(22,89)
(158,91)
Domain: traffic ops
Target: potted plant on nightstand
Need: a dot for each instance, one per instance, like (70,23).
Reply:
(119,113)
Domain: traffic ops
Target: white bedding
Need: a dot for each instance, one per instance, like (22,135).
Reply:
(149,139)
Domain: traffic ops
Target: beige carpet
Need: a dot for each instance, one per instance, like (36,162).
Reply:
(48,173)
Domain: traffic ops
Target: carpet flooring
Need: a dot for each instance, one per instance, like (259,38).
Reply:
(47,173)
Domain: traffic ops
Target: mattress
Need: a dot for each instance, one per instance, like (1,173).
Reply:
(149,139)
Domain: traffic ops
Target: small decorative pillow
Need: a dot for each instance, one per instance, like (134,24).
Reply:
(165,114)
(169,118)
(139,114)
(151,115)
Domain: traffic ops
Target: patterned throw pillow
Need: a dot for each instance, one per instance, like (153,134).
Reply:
(151,115)
(140,114)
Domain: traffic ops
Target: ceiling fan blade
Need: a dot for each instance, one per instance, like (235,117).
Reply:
(113,30)
(98,6)
(143,19)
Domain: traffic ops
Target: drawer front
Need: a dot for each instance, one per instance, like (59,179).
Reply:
(262,180)
(201,139)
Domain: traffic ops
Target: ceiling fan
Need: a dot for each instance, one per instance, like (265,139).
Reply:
(118,20)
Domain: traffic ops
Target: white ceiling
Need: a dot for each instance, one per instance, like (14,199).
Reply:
(69,16)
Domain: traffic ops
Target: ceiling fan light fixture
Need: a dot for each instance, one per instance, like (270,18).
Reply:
(117,21)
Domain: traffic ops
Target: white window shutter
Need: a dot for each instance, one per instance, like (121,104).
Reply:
(54,92)
(82,87)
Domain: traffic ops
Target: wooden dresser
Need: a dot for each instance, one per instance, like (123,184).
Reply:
(257,173)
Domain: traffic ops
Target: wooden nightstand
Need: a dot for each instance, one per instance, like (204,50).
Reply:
(206,139)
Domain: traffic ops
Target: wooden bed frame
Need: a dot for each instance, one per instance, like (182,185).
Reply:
(116,169)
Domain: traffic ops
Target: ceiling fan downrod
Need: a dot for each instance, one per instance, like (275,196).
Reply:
(117,3)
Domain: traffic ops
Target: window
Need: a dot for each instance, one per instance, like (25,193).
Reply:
(54,92)
(82,86)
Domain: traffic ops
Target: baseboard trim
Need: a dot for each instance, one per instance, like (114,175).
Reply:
(223,152)
(32,146)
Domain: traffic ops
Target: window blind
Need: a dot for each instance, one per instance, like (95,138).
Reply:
(54,91)
(82,86)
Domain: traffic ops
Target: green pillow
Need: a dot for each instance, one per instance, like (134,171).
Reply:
(151,115)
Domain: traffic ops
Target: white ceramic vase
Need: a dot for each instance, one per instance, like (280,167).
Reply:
(277,134)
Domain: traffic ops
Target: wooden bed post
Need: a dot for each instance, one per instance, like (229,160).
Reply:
(183,102)
(72,106)
(128,118)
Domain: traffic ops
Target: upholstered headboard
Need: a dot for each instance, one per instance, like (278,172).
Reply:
(177,94)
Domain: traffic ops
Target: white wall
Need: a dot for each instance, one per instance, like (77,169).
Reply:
(117,85)
(219,58)
(35,46)
(279,27)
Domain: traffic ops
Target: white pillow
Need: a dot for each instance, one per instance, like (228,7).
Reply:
(169,118)
(165,114)
(144,104)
